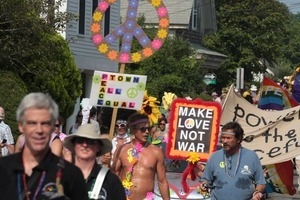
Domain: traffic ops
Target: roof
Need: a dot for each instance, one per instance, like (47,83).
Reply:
(179,11)
(212,59)
(203,50)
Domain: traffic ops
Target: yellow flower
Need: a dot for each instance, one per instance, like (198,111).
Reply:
(167,100)
(97,16)
(193,157)
(162,33)
(150,107)
(136,57)
(103,48)
(127,184)
(156,3)
(130,158)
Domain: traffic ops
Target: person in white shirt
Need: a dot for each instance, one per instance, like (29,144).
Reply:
(216,98)
(6,137)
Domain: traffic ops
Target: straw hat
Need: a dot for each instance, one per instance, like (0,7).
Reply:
(88,131)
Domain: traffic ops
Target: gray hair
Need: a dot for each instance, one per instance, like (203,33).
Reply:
(37,100)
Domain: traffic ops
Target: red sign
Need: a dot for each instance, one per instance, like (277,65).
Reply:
(194,127)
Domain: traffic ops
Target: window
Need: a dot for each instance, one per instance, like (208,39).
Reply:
(106,17)
(81,26)
(107,21)
(194,16)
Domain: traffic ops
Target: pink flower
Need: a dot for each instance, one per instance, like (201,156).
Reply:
(156,44)
(103,6)
(130,169)
(149,196)
(97,39)
(162,12)
(138,147)
(124,58)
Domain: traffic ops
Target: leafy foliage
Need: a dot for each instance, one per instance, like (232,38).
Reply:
(248,31)
(33,51)
(172,69)
(291,47)
(12,91)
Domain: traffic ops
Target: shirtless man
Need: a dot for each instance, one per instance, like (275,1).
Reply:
(144,159)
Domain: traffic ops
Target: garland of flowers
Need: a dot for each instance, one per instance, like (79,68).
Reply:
(133,155)
(192,163)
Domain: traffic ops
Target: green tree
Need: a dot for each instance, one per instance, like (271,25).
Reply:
(173,68)
(33,51)
(291,43)
(12,91)
(249,31)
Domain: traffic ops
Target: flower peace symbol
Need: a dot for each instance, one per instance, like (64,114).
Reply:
(127,30)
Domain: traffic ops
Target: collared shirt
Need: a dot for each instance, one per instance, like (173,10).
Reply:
(45,185)
(5,133)
(112,188)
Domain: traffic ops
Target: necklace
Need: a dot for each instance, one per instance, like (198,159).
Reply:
(26,189)
(229,167)
(122,136)
(133,156)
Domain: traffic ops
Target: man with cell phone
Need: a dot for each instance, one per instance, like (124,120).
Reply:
(6,137)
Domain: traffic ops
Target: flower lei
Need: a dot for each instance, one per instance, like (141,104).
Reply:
(192,163)
(133,155)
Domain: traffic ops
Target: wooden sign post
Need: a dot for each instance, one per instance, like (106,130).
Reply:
(115,110)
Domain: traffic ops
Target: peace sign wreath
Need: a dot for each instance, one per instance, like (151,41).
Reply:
(127,31)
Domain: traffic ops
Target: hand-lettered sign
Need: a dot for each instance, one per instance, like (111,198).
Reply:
(128,30)
(273,135)
(194,127)
(118,90)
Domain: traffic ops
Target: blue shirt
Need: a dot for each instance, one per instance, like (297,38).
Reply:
(237,179)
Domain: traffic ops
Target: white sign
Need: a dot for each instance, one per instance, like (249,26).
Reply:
(273,135)
(118,90)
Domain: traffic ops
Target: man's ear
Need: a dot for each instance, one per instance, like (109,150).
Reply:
(20,127)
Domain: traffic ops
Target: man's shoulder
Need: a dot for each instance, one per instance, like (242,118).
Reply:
(64,164)
(248,152)
(13,161)
(218,153)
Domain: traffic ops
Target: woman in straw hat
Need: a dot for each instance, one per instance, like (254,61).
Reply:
(85,145)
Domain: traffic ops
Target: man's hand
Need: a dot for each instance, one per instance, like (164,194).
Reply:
(204,186)
(2,145)
(257,195)
(198,170)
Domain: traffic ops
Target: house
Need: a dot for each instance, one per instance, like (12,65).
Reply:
(191,19)
(78,35)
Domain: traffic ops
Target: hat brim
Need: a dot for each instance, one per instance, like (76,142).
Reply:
(107,145)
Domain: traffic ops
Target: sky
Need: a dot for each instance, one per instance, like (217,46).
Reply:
(293,5)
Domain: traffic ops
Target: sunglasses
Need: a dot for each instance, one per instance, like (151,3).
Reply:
(57,125)
(81,140)
(121,125)
(162,124)
(144,128)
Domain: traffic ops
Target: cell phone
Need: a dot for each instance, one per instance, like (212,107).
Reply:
(4,141)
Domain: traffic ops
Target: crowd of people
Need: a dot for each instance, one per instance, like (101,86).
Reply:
(48,164)
(84,164)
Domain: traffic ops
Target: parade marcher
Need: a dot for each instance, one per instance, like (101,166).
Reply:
(6,138)
(233,171)
(86,144)
(138,162)
(36,173)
